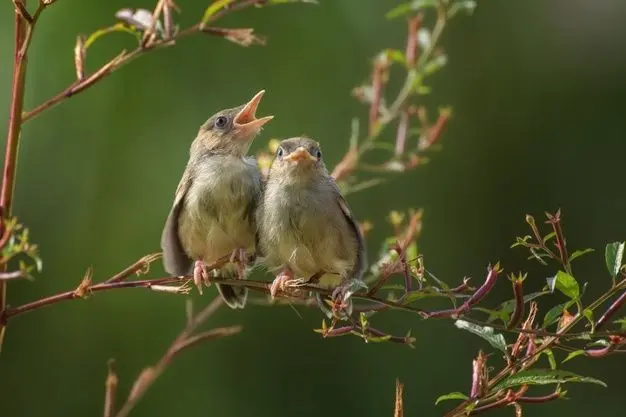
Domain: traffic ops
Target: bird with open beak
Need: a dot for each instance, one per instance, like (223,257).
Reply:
(213,215)
(306,229)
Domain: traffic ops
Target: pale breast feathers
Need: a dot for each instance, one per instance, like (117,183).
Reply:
(308,230)
(218,207)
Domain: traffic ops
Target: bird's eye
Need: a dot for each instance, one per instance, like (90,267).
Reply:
(280,152)
(318,154)
(221,122)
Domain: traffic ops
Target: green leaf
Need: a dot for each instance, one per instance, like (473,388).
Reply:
(213,8)
(613,255)
(505,309)
(118,27)
(573,354)
(549,236)
(509,305)
(588,313)
(579,253)
(451,396)
(565,283)
(468,6)
(435,64)
(415,295)
(600,342)
(377,339)
(411,252)
(410,7)
(494,314)
(521,241)
(544,377)
(495,339)
(621,322)
(395,55)
(538,256)
(551,360)
(552,316)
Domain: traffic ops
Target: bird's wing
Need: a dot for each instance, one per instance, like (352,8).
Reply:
(175,259)
(258,214)
(361,257)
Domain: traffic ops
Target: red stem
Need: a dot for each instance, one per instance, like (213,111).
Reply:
(70,295)
(536,400)
(13,136)
(617,304)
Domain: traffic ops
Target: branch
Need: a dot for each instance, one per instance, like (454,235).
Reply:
(24,26)
(149,42)
(7,276)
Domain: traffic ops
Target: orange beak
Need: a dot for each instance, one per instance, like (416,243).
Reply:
(246,120)
(301,154)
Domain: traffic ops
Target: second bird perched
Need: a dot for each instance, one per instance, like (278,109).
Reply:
(215,202)
(305,226)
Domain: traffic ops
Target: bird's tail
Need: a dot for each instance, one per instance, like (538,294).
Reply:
(234,297)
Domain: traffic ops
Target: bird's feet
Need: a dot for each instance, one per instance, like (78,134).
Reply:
(200,275)
(240,258)
(340,302)
(285,281)
(281,281)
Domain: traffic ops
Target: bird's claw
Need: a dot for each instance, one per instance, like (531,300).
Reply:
(240,259)
(200,275)
(341,303)
(284,281)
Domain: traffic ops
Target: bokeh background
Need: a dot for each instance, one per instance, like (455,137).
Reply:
(538,94)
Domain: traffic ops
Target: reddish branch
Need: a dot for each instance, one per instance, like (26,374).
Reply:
(610,312)
(24,24)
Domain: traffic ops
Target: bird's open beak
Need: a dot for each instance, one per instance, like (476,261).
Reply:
(301,154)
(246,120)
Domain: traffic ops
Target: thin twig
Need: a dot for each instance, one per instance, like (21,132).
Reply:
(23,26)
(7,276)
(140,267)
(110,390)
(148,44)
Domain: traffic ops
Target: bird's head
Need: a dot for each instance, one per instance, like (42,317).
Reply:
(298,157)
(231,131)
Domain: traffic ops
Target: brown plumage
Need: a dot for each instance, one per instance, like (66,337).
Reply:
(305,226)
(213,211)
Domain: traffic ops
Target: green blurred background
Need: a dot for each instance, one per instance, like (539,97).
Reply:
(538,93)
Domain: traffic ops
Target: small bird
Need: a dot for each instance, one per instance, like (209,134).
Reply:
(213,214)
(306,229)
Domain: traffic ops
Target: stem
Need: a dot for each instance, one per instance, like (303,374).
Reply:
(120,60)
(13,134)
(530,359)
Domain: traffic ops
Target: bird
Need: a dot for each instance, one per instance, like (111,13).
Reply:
(306,230)
(213,214)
